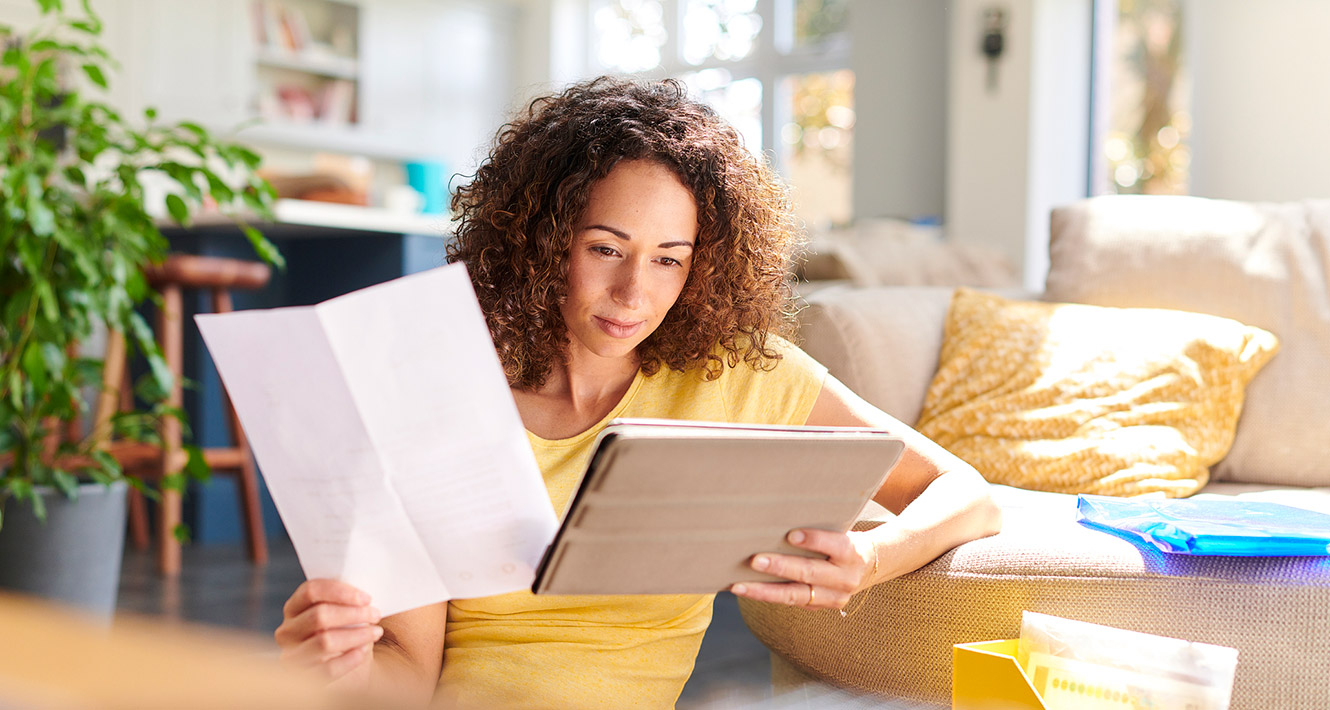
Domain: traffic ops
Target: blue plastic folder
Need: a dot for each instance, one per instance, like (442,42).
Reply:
(1233,528)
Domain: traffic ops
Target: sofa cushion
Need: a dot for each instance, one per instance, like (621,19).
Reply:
(1085,399)
(1267,265)
(898,635)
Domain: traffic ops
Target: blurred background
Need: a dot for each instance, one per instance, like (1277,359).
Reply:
(869,108)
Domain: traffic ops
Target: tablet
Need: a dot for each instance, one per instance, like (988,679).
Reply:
(672,507)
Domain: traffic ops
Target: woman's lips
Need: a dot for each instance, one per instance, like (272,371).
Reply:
(618,329)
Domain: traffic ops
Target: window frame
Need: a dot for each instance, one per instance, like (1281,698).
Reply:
(774,58)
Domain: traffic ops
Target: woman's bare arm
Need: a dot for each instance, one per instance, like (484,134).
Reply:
(939,502)
(408,659)
(332,628)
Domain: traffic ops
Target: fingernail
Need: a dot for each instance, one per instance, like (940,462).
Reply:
(375,615)
(739,590)
(362,598)
(761,563)
(796,536)
(378,632)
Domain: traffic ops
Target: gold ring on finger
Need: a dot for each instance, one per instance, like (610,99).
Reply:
(812,595)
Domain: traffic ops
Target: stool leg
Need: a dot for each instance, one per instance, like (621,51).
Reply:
(249,491)
(169,330)
(138,520)
(249,480)
(118,397)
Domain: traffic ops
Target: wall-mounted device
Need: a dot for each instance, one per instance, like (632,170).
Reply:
(994,40)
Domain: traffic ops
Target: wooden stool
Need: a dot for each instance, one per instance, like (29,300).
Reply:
(179,272)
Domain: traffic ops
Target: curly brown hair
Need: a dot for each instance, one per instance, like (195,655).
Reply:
(516,216)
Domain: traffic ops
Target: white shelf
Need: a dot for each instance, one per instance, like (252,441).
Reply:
(334,216)
(340,138)
(322,65)
(369,219)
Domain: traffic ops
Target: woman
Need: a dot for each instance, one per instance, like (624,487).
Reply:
(631,258)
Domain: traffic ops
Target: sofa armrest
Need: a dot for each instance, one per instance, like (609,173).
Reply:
(882,342)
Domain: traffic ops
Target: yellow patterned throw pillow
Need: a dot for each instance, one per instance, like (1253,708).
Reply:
(1087,399)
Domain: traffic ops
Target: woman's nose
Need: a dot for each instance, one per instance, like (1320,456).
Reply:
(628,286)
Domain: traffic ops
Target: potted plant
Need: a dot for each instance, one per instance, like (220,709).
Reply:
(76,234)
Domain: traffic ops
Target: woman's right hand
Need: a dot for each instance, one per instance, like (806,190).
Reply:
(330,627)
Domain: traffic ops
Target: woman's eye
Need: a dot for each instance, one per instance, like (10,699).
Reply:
(604,251)
(670,261)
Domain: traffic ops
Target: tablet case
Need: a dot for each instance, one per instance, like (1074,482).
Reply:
(670,507)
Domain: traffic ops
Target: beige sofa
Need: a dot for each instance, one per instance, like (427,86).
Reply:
(1267,265)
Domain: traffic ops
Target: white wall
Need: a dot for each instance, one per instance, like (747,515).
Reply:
(1018,149)
(988,135)
(1261,103)
(899,57)
(1059,143)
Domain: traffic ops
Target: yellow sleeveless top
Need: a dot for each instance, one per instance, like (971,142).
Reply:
(520,650)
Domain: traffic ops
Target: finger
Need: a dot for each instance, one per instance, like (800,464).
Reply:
(794,567)
(313,591)
(324,616)
(792,594)
(323,647)
(835,545)
(349,661)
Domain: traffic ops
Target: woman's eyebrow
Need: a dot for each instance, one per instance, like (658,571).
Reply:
(624,236)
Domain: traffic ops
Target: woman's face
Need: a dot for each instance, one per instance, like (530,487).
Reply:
(630,257)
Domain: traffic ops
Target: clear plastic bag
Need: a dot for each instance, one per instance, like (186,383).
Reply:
(1235,528)
(1082,666)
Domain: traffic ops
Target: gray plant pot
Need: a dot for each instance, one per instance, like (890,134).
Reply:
(72,558)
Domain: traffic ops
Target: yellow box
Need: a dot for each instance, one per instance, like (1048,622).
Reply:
(986,676)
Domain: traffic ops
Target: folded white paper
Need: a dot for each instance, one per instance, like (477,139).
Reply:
(389,440)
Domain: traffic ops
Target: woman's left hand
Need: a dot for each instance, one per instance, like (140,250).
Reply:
(815,583)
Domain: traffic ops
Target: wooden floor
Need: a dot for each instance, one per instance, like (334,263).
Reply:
(219,587)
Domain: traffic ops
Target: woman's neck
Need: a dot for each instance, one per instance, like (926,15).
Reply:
(576,395)
(586,382)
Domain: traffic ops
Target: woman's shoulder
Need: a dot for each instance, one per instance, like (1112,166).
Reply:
(770,354)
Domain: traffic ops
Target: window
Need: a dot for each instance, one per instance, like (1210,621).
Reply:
(777,70)
(1144,148)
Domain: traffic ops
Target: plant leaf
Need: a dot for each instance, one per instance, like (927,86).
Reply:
(174,482)
(35,367)
(110,467)
(181,533)
(147,491)
(50,307)
(220,191)
(76,175)
(54,356)
(49,6)
(195,465)
(194,128)
(65,483)
(94,73)
(179,211)
(40,217)
(264,248)
(161,374)
(242,154)
(38,506)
